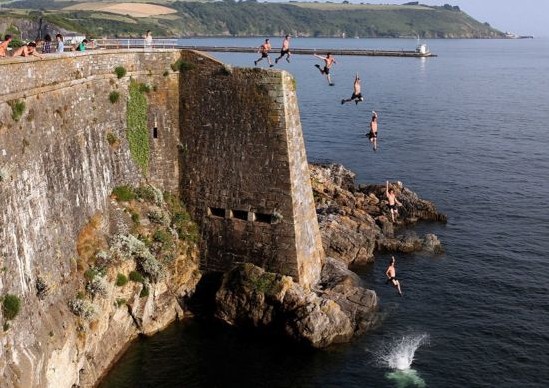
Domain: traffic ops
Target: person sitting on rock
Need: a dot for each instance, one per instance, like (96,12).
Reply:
(356,96)
(391,275)
(393,201)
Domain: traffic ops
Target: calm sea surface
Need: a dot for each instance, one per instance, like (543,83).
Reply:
(468,130)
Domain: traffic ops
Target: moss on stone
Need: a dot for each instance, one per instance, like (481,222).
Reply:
(11,306)
(114,96)
(17,109)
(120,71)
(138,135)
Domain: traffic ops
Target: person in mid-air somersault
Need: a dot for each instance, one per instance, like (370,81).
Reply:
(391,275)
(356,96)
(328,62)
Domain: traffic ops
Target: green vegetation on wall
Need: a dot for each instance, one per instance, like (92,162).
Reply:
(11,306)
(17,109)
(138,134)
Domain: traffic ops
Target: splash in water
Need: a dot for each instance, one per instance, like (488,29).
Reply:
(400,353)
(399,356)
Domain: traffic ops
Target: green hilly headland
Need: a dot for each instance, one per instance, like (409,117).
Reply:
(249,18)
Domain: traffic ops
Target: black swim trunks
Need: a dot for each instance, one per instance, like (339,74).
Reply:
(264,55)
(392,207)
(372,135)
(390,279)
(326,70)
(356,96)
(284,52)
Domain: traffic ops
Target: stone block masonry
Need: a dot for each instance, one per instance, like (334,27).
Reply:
(63,148)
(244,170)
(229,139)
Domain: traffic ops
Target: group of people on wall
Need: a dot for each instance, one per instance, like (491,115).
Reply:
(39,47)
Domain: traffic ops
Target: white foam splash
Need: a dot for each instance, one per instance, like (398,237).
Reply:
(400,353)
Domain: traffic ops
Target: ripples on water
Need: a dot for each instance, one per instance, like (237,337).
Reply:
(467,130)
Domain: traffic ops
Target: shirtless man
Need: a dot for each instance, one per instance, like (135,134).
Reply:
(328,62)
(372,135)
(357,96)
(393,201)
(4,46)
(27,50)
(391,275)
(285,49)
(264,51)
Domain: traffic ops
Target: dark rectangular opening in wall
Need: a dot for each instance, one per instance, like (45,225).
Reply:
(240,214)
(264,218)
(216,212)
(155,133)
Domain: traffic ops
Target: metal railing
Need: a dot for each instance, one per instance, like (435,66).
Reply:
(134,43)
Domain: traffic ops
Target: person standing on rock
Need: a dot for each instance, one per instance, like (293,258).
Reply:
(328,63)
(264,51)
(372,135)
(391,275)
(148,40)
(285,50)
(356,96)
(393,201)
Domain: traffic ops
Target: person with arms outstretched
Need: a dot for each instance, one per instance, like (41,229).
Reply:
(392,200)
(391,275)
(264,51)
(285,50)
(356,96)
(372,135)
(328,63)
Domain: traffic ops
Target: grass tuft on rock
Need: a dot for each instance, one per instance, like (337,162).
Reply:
(120,71)
(11,305)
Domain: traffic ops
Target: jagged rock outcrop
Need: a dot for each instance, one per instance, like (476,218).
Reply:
(354,220)
(249,296)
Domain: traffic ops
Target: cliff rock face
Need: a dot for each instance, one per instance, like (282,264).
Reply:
(249,296)
(354,220)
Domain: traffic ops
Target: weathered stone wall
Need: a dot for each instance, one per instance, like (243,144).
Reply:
(58,165)
(230,140)
(244,170)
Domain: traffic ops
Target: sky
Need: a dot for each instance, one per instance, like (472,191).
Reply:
(523,17)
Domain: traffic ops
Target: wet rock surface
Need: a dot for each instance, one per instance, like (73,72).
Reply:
(355,221)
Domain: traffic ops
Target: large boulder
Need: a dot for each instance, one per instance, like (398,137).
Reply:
(249,296)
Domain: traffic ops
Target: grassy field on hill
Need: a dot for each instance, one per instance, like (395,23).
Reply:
(250,18)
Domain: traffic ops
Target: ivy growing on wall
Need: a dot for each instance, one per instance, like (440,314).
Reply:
(138,134)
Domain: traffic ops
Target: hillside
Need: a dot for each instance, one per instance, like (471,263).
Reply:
(250,18)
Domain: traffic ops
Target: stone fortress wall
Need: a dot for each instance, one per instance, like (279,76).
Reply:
(244,171)
(229,140)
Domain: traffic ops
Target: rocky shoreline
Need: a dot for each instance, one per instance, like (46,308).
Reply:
(354,224)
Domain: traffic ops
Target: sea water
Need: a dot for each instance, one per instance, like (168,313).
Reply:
(467,130)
